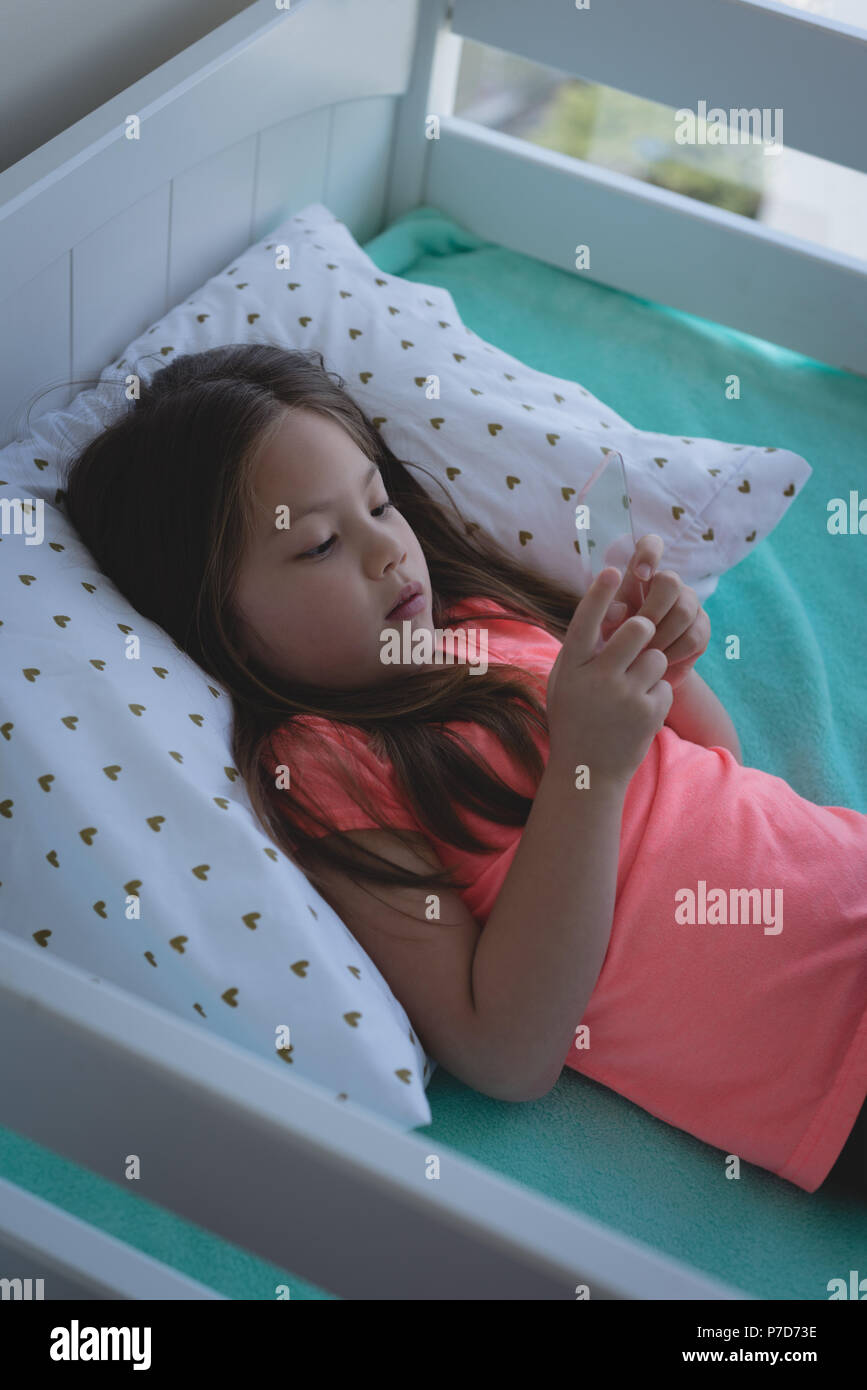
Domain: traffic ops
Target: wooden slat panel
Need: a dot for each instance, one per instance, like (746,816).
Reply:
(729,53)
(81,1261)
(651,242)
(211,216)
(435,68)
(358,163)
(293,161)
(119,276)
(34,348)
(332,1192)
(207,98)
(201,116)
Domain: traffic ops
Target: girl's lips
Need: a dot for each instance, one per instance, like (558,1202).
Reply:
(406,610)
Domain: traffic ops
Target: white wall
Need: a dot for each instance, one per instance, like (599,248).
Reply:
(63,58)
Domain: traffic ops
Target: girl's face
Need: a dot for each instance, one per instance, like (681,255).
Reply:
(314,598)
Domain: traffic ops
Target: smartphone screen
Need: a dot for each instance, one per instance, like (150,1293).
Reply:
(603,518)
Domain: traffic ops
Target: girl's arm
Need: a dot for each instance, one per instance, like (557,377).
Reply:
(698,716)
(499,1007)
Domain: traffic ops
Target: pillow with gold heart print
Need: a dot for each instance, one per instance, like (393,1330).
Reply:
(128,846)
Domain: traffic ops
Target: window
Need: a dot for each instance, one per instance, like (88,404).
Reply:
(792,192)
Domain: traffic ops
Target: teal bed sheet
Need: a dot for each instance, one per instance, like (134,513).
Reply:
(797,698)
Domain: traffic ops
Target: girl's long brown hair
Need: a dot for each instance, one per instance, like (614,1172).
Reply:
(162,498)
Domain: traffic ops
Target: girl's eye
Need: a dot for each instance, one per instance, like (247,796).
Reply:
(323,549)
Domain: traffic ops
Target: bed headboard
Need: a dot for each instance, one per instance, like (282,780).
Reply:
(159,187)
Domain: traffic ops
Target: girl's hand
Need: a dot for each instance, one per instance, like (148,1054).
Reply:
(605,706)
(682,626)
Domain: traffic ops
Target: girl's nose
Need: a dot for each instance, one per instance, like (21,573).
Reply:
(387,554)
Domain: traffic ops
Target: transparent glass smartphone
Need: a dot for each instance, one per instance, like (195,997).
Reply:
(605,532)
(608,538)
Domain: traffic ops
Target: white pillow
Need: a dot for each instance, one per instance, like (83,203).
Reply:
(81,842)
(117,796)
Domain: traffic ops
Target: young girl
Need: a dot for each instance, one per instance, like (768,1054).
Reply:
(559,859)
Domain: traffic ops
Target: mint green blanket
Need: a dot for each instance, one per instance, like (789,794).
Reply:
(797,697)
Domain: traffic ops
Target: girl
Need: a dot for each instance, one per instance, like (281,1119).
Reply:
(571,863)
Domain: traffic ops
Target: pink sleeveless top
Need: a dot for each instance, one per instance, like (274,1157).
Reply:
(745,1026)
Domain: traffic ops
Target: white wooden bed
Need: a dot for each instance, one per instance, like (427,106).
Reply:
(277,108)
